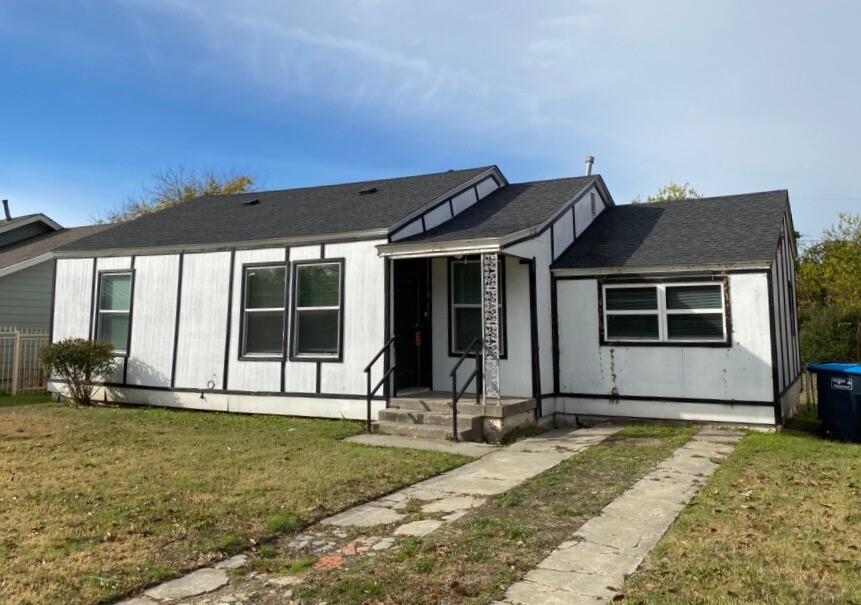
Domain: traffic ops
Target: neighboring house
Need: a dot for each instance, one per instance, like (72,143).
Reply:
(275,302)
(27,268)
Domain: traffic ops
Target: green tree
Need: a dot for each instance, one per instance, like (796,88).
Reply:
(829,293)
(176,186)
(670,193)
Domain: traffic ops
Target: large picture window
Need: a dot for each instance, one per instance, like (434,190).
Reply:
(317,309)
(263,310)
(465,303)
(114,310)
(690,312)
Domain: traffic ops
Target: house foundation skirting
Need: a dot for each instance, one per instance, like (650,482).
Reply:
(328,406)
(742,413)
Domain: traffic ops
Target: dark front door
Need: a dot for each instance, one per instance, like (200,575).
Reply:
(412,323)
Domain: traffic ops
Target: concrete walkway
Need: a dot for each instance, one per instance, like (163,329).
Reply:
(464,448)
(593,566)
(443,499)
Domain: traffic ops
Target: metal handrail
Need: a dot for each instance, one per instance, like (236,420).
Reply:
(387,372)
(476,374)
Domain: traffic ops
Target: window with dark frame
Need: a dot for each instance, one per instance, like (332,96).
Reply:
(465,303)
(317,306)
(263,310)
(114,310)
(682,313)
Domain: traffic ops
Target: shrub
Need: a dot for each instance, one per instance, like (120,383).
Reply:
(78,362)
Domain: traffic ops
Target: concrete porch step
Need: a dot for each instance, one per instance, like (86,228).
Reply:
(409,416)
(422,431)
(466,406)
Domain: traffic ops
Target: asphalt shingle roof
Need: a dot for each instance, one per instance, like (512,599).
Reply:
(312,211)
(508,210)
(36,246)
(726,229)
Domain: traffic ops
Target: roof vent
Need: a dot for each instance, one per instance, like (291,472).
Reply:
(368,191)
(251,203)
(589,161)
(6,210)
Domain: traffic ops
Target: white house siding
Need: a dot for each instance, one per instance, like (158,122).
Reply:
(73,293)
(539,249)
(515,371)
(563,232)
(741,372)
(364,318)
(202,321)
(250,375)
(583,210)
(153,320)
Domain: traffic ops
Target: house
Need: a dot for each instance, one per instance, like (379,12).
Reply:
(277,302)
(27,268)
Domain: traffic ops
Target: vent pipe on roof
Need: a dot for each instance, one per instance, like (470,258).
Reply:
(589,161)
(6,210)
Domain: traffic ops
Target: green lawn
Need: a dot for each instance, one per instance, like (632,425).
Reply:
(779,522)
(98,502)
(9,400)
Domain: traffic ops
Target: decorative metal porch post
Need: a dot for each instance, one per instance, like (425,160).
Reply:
(490,325)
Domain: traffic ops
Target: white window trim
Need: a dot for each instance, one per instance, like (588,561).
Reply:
(297,309)
(246,311)
(662,312)
(99,311)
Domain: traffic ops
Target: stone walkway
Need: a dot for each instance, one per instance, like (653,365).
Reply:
(593,566)
(367,529)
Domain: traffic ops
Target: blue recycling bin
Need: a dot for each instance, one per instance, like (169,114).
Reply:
(839,394)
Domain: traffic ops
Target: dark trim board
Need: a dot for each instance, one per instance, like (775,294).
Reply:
(117,385)
(533,337)
(176,321)
(289,281)
(240,345)
(53,300)
(131,322)
(612,397)
(226,369)
(778,412)
(665,276)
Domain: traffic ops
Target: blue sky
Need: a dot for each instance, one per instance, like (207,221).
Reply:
(96,96)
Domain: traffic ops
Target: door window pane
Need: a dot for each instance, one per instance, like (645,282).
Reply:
(319,285)
(317,332)
(264,287)
(114,328)
(694,297)
(116,292)
(631,299)
(264,333)
(695,326)
(632,326)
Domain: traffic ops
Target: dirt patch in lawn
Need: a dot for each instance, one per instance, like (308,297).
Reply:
(778,522)
(96,503)
(474,559)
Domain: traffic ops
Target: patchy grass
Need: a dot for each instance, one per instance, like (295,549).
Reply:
(778,522)
(98,502)
(474,559)
(11,400)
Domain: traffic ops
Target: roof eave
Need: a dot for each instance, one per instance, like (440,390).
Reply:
(757,265)
(304,240)
(36,218)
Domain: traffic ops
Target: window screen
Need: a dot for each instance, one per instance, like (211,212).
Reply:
(114,310)
(317,303)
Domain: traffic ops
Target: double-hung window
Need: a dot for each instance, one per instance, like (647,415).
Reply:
(114,310)
(680,313)
(263,310)
(317,309)
(465,307)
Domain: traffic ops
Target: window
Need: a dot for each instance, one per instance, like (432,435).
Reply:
(114,310)
(263,305)
(665,313)
(465,309)
(317,304)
